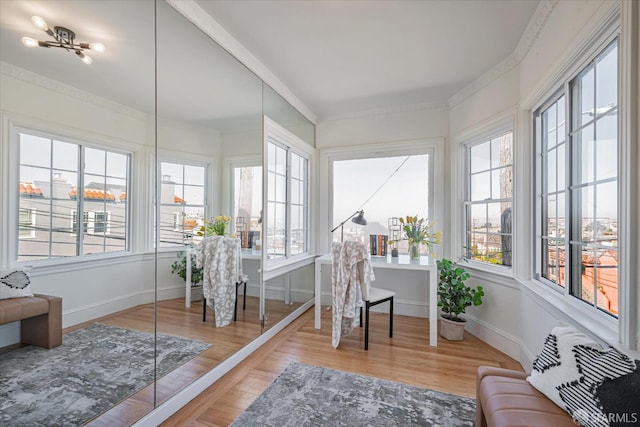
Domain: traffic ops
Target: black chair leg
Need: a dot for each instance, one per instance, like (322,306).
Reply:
(361,316)
(391,319)
(235,306)
(244,296)
(204,309)
(366,328)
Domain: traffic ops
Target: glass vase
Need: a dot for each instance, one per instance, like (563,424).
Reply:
(414,251)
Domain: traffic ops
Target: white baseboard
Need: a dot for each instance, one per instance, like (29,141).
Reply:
(500,340)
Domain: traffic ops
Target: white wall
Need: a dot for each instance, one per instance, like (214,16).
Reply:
(93,288)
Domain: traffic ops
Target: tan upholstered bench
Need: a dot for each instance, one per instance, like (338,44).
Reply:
(40,319)
(505,398)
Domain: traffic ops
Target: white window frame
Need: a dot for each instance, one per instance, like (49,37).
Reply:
(621,331)
(434,147)
(499,124)
(84,140)
(292,144)
(565,292)
(487,134)
(211,200)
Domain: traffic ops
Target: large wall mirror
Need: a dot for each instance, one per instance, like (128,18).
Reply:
(110,168)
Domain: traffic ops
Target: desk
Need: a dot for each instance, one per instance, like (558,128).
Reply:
(425,263)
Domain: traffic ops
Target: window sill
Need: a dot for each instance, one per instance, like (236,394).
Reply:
(52,266)
(600,326)
(280,267)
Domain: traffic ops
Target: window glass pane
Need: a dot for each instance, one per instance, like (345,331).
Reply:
(271,188)
(551,167)
(586,214)
(480,186)
(607,79)
(94,161)
(117,165)
(607,214)
(194,175)
(34,150)
(586,280)
(281,160)
(586,97)
(354,181)
(193,195)
(281,188)
(172,172)
(561,164)
(480,155)
(561,219)
(606,277)
(248,196)
(478,246)
(295,166)
(607,147)
(295,191)
(561,120)
(478,216)
(65,155)
(585,146)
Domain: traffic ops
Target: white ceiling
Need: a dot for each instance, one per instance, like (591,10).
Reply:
(341,57)
(338,57)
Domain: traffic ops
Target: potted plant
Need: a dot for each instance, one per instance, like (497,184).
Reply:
(454,296)
(179,267)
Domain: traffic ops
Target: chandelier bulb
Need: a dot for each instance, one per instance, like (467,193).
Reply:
(97,47)
(84,58)
(40,23)
(29,42)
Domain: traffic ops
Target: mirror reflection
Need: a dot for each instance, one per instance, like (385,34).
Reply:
(77,135)
(118,168)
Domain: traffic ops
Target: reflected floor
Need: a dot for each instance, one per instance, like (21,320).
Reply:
(175,319)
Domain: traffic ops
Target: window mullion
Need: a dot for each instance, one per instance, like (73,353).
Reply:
(80,205)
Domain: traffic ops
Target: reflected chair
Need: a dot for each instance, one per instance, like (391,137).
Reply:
(235,310)
(354,261)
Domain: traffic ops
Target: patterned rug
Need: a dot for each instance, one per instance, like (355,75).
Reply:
(94,369)
(306,395)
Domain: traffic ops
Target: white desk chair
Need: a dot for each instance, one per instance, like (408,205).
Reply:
(376,296)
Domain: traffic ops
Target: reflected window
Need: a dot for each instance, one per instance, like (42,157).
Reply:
(578,189)
(247,204)
(287,196)
(183,207)
(489,200)
(49,199)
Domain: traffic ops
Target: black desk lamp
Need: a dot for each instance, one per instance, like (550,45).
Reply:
(360,219)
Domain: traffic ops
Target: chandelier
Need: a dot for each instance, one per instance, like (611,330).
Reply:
(64,38)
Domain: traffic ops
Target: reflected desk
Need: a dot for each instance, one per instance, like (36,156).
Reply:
(425,263)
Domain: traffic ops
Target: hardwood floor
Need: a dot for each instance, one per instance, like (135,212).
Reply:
(406,358)
(175,319)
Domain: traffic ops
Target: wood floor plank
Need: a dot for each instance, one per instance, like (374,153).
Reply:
(405,358)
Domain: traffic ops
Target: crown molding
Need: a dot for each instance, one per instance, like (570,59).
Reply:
(530,35)
(387,111)
(27,76)
(207,24)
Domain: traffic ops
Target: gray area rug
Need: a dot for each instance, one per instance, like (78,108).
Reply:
(306,395)
(94,369)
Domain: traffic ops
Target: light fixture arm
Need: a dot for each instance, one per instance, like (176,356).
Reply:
(64,38)
(341,225)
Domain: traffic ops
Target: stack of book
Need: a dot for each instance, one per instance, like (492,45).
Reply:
(378,244)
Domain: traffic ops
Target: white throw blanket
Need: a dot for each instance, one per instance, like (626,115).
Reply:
(351,269)
(221,260)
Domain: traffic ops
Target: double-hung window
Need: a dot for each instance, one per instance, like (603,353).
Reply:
(489,200)
(51,173)
(183,206)
(577,153)
(287,231)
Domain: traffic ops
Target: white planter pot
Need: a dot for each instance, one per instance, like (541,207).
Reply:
(451,330)
(196,293)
